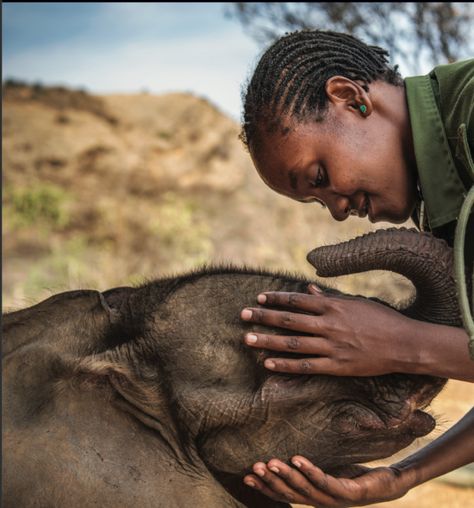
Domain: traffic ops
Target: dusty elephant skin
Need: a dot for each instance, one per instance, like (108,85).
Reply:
(148,397)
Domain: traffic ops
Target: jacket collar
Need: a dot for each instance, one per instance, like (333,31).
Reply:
(441,186)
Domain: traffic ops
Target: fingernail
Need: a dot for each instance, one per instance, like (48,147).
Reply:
(251,339)
(260,472)
(315,288)
(269,364)
(261,298)
(246,314)
(297,463)
(250,483)
(274,469)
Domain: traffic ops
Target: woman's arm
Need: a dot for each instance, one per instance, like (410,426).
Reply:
(356,337)
(309,485)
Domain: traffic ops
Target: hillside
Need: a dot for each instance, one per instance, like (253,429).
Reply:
(105,191)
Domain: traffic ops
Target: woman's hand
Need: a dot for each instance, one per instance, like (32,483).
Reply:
(348,336)
(307,484)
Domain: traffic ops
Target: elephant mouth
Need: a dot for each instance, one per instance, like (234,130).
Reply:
(401,414)
(413,420)
(400,435)
(412,423)
(420,423)
(372,434)
(405,418)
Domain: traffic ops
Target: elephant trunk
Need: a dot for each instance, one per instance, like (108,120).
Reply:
(420,257)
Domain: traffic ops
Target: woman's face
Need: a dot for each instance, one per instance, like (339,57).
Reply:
(352,163)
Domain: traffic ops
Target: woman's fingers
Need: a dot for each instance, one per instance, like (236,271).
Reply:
(284,483)
(291,344)
(281,319)
(341,488)
(271,485)
(308,484)
(305,366)
(300,484)
(276,487)
(314,302)
(314,290)
(255,482)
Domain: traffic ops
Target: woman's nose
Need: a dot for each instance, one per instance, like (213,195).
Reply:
(340,208)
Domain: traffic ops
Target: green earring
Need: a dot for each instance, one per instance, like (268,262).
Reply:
(363,108)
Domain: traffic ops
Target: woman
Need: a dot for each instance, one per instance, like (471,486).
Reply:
(327,120)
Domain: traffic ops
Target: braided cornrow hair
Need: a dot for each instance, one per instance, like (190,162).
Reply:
(291,75)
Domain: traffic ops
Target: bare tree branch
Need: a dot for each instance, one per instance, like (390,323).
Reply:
(439,30)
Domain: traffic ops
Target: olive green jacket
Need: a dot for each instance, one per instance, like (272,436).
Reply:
(441,108)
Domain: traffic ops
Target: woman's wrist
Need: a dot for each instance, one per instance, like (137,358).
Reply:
(453,449)
(408,473)
(433,349)
(411,354)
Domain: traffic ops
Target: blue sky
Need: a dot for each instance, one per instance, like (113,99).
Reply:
(114,47)
(129,47)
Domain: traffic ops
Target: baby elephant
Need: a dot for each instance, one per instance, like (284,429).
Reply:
(148,396)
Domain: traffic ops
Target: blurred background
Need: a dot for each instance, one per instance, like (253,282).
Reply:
(121,158)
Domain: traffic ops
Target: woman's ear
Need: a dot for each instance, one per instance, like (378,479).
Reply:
(346,93)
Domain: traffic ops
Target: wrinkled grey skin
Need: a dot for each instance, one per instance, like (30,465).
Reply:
(148,397)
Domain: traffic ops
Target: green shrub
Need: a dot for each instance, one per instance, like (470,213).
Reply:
(44,205)
(183,237)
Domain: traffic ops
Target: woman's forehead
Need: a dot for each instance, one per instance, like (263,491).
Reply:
(293,150)
(281,166)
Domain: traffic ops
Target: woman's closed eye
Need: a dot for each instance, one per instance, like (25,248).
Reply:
(319,179)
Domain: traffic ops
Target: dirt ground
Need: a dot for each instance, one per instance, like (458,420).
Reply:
(455,401)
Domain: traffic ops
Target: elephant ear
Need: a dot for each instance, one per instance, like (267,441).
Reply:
(423,259)
(116,298)
(78,323)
